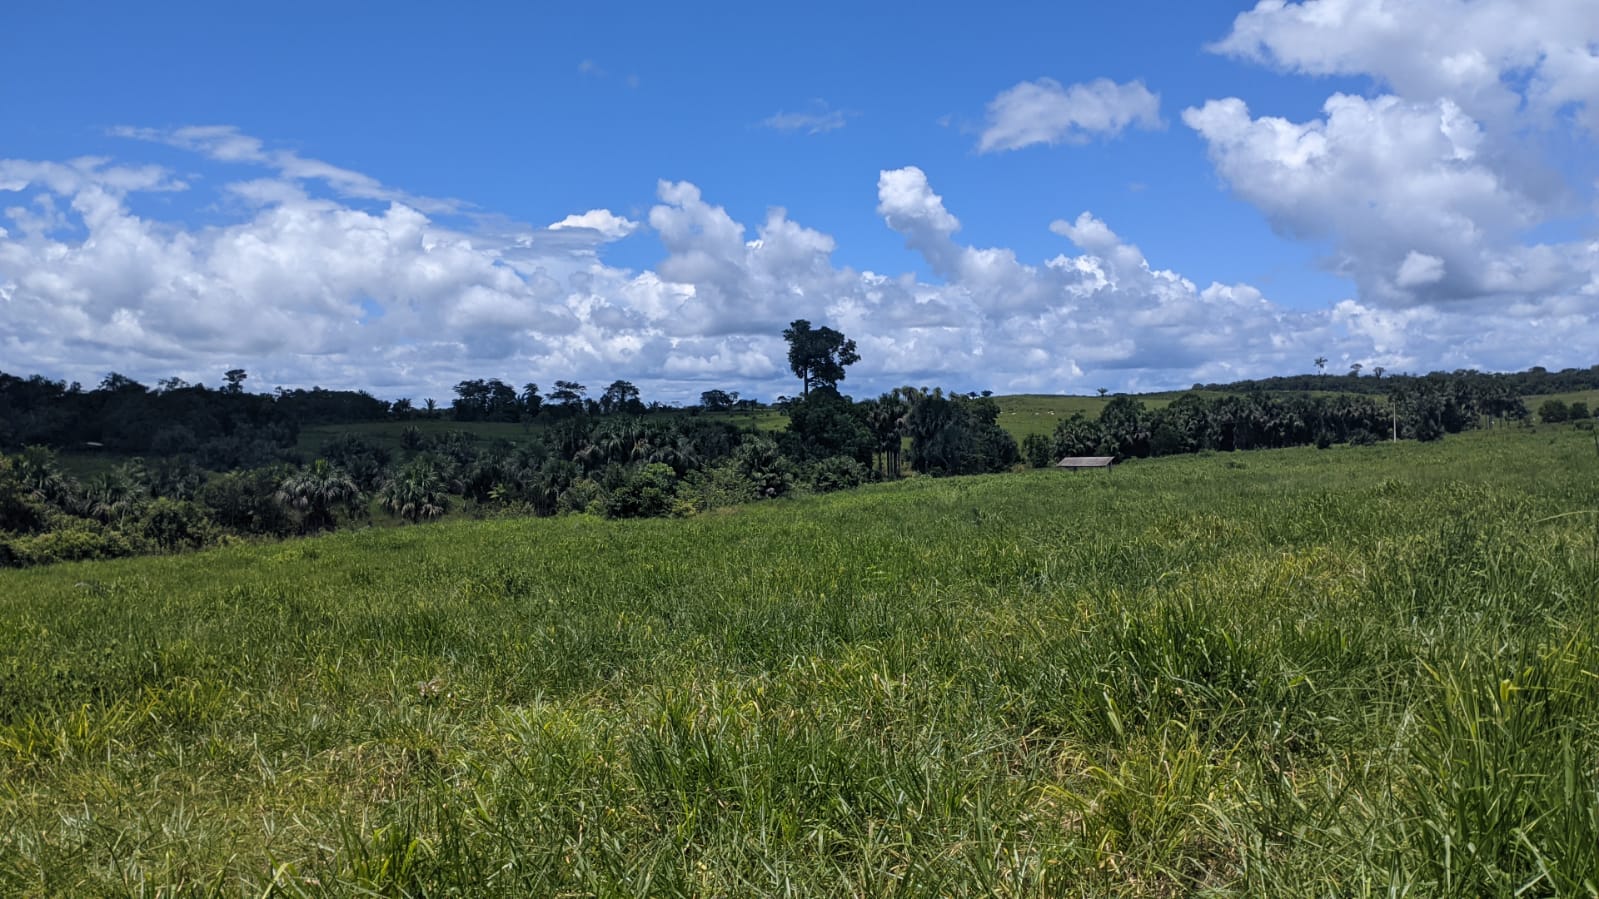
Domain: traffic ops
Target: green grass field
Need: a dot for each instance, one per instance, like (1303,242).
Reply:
(1357,671)
(1022,414)
(1591,397)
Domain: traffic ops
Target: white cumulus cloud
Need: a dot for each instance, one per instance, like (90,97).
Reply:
(1419,269)
(1045,112)
(1430,190)
(370,291)
(1386,179)
(1491,57)
(603,222)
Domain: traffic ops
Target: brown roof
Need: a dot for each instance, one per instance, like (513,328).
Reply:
(1086,462)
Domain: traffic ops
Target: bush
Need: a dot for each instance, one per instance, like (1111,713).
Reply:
(1578,411)
(19,511)
(836,473)
(768,473)
(1038,451)
(716,488)
(583,496)
(361,457)
(244,503)
(1553,412)
(174,524)
(67,545)
(647,492)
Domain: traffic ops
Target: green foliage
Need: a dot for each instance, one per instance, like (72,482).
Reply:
(21,510)
(1553,411)
(417,492)
(317,493)
(823,424)
(582,497)
(648,491)
(718,400)
(245,502)
(174,525)
(486,400)
(836,473)
(955,434)
(760,465)
(362,457)
(1038,450)
(818,356)
(1079,436)
(73,542)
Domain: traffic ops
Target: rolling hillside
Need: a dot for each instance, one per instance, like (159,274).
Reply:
(1277,673)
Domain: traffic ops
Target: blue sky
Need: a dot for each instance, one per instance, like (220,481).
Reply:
(1020,197)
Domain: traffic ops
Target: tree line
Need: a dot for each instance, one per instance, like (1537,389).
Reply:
(1419,409)
(205,466)
(1378,381)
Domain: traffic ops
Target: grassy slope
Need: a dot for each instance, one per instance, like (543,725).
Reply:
(1276,673)
(1591,397)
(1023,414)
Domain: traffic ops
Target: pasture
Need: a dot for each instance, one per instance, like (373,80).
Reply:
(1355,671)
(1032,413)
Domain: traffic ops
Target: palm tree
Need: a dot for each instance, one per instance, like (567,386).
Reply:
(679,453)
(110,496)
(417,493)
(885,418)
(316,492)
(1321,364)
(41,476)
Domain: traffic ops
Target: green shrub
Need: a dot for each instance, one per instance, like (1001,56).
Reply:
(646,492)
(1038,451)
(836,473)
(1553,411)
(175,525)
(72,544)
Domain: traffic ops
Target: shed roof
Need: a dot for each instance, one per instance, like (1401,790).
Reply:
(1086,462)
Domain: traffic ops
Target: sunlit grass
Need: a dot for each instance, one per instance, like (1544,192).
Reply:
(1359,671)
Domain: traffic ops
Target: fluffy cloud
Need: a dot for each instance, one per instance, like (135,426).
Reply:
(1427,193)
(1045,112)
(366,290)
(603,222)
(1491,58)
(1414,206)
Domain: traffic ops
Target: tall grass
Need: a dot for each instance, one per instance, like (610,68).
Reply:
(1360,671)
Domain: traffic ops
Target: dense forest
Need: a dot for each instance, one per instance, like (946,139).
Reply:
(1378,381)
(193,466)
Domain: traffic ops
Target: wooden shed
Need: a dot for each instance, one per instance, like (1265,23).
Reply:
(1078,462)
